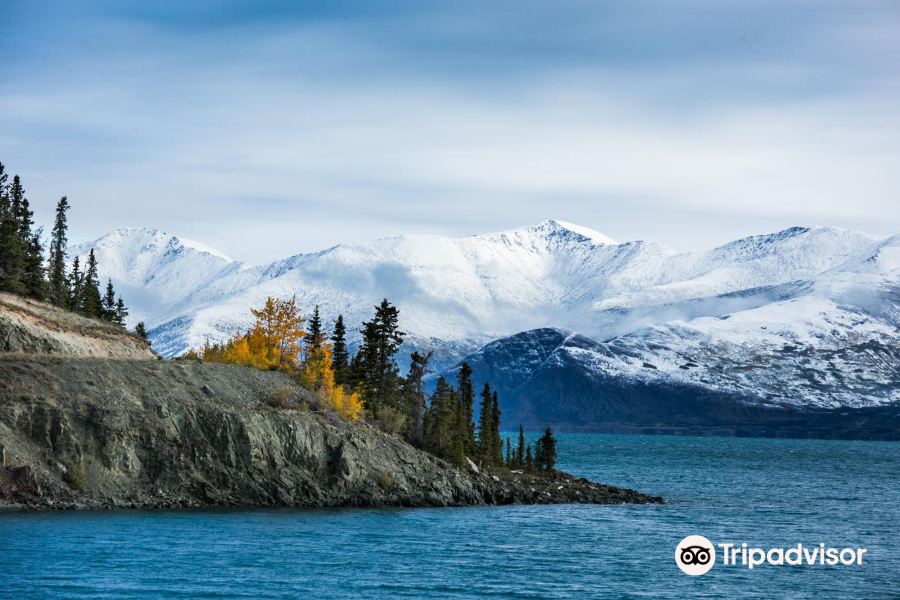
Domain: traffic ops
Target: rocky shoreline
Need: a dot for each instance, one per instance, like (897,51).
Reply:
(94,433)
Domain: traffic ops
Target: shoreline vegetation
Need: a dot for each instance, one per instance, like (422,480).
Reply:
(280,415)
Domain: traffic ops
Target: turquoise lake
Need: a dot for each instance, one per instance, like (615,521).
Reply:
(767,493)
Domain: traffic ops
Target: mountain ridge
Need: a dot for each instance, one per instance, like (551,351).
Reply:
(826,287)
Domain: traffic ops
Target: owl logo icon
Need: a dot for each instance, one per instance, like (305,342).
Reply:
(695,555)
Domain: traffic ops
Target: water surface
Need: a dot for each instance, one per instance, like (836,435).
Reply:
(760,491)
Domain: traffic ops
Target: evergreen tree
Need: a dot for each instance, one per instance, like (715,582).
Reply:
(108,305)
(14,248)
(5,213)
(545,451)
(529,460)
(497,444)
(340,358)
(35,274)
(120,312)
(57,288)
(315,336)
(509,458)
(75,280)
(486,427)
(141,330)
(520,450)
(378,373)
(467,401)
(90,303)
(438,436)
(414,388)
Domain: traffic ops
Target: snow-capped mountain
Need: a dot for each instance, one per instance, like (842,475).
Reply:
(730,310)
(155,271)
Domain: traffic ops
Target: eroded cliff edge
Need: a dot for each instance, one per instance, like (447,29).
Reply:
(104,433)
(89,418)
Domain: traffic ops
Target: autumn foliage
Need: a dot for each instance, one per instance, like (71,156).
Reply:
(274,343)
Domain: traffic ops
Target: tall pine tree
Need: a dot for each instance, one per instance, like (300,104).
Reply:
(520,450)
(377,373)
(35,273)
(90,303)
(486,427)
(73,286)
(120,312)
(467,401)
(545,451)
(57,288)
(497,444)
(14,248)
(108,304)
(441,420)
(414,390)
(340,358)
(315,336)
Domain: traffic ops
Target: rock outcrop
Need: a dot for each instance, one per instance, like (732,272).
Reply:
(105,433)
(31,327)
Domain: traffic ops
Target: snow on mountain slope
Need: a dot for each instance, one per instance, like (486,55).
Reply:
(153,270)
(832,341)
(754,295)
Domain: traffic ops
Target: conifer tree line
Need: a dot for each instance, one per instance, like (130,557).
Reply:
(543,458)
(25,271)
(369,382)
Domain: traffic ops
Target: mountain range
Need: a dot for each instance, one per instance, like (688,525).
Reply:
(803,318)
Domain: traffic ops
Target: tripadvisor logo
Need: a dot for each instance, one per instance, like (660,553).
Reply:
(696,555)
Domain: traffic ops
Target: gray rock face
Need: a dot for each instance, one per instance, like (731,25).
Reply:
(31,327)
(79,432)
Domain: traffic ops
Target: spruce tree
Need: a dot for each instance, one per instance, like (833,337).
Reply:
(15,247)
(545,451)
(486,427)
(340,358)
(440,419)
(497,444)
(73,285)
(456,430)
(378,373)
(120,312)
(141,330)
(509,457)
(315,337)
(4,214)
(108,305)
(467,401)
(414,388)
(528,462)
(90,303)
(57,288)
(35,273)
(520,450)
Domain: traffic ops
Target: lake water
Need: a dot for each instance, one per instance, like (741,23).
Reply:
(766,493)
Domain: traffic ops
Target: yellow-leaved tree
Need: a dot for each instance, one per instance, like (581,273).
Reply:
(317,374)
(272,343)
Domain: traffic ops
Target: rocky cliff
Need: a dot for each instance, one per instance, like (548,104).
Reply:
(91,432)
(31,327)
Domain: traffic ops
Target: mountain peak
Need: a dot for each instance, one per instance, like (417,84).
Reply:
(556,227)
(148,238)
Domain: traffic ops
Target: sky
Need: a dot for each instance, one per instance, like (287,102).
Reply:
(267,128)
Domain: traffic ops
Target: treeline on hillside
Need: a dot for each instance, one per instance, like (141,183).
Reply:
(24,269)
(370,383)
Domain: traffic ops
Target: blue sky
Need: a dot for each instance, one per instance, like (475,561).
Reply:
(268,128)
